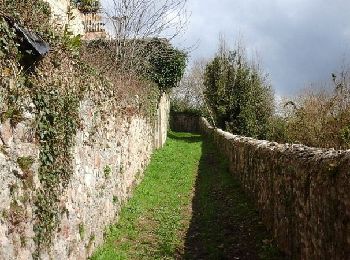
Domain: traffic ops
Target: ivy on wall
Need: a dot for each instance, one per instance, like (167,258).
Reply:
(57,123)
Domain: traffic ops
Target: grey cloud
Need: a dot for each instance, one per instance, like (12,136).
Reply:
(299,41)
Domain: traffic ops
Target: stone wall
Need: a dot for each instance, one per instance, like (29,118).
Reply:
(302,193)
(184,122)
(109,159)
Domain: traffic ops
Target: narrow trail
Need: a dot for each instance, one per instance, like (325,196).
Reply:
(188,207)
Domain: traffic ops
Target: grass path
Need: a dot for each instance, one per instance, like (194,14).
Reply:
(187,207)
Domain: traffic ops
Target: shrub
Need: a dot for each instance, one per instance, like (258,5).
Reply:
(318,117)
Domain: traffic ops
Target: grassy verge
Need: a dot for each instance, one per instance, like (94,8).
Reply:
(154,221)
(188,207)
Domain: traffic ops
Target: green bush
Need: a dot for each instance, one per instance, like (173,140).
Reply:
(166,64)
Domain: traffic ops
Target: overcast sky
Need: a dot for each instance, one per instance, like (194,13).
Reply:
(299,41)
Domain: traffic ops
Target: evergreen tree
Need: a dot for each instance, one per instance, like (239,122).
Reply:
(238,94)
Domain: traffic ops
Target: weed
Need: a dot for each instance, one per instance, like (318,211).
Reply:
(115,199)
(81,230)
(107,171)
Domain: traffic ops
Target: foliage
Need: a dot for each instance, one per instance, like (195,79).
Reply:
(237,93)
(124,85)
(87,5)
(56,98)
(33,14)
(166,64)
(8,47)
(153,60)
(11,79)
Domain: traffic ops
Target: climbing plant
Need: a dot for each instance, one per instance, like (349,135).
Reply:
(56,100)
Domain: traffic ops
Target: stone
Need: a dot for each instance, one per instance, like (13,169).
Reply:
(126,145)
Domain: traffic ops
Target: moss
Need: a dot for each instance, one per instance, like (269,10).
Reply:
(25,163)
(81,230)
(14,114)
(115,199)
(107,171)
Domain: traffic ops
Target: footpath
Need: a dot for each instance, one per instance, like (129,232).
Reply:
(188,206)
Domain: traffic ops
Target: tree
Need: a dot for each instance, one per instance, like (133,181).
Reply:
(237,92)
(189,94)
(134,23)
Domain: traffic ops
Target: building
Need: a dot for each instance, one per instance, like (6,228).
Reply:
(82,19)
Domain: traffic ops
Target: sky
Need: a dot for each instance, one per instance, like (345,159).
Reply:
(298,41)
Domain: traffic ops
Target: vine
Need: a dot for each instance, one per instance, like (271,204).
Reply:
(57,126)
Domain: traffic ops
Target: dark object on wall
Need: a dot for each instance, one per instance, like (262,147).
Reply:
(30,41)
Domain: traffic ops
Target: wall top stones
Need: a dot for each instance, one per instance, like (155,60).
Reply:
(296,149)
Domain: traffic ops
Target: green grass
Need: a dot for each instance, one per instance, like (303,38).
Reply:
(188,206)
(154,221)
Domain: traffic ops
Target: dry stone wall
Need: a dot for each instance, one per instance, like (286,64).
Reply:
(302,193)
(109,159)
